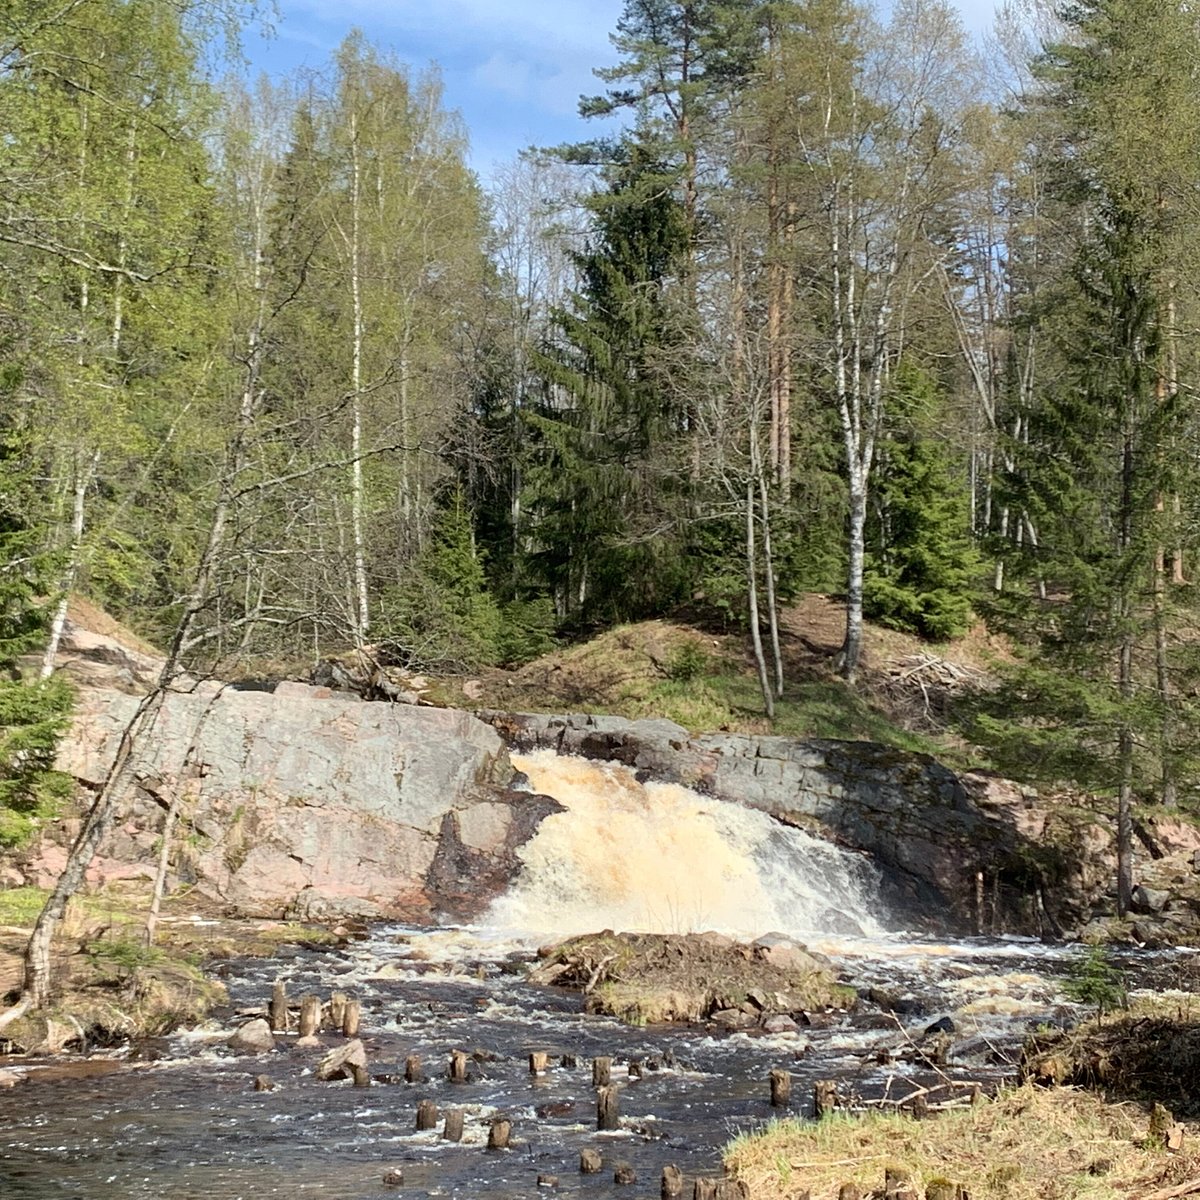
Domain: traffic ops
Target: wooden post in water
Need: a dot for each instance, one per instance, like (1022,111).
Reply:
(499,1133)
(351,1014)
(362,1077)
(427,1115)
(412,1069)
(607,1116)
(672,1182)
(849,1191)
(458,1067)
(824,1097)
(337,1007)
(704,1189)
(781,1088)
(279,1007)
(590,1162)
(452,1131)
(601,1072)
(624,1174)
(310,1016)
(538,1061)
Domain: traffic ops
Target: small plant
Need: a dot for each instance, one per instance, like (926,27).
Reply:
(687,662)
(125,954)
(1094,979)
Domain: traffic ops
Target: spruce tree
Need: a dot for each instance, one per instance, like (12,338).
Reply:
(604,488)
(1103,453)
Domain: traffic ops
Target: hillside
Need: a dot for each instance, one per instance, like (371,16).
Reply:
(706,680)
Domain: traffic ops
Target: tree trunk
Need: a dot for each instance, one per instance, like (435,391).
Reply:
(83,480)
(363,613)
(752,603)
(851,652)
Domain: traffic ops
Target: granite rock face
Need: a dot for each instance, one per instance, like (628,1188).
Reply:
(960,851)
(301,800)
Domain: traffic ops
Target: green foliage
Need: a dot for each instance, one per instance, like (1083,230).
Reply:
(921,565)
(123,954)
(443,613)
(1094,979)
(526,630)
(687,662)
(33,715)
(605,492)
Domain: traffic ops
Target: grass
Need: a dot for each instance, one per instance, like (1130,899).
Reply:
(1027,1144)
(109,984)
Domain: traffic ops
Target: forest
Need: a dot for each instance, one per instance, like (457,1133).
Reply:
(836,301)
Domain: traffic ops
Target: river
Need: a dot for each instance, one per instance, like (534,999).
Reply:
(180,1119)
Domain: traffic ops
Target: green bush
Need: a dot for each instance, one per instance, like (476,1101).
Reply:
(687,662)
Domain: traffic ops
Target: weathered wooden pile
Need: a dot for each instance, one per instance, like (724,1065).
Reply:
(349,1061)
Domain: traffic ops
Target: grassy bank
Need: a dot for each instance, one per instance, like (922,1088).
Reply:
(1027,1144)
(110,986)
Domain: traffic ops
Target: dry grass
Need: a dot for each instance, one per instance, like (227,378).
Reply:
(1027,1144)
(89,616)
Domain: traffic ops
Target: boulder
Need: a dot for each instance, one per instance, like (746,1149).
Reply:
(1148,900)
(254,1037)
(340,1062)
(300,801)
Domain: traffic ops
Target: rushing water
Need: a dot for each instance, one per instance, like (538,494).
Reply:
(186,1123)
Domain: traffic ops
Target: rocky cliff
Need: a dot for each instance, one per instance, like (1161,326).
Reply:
(298,800)
(960,851)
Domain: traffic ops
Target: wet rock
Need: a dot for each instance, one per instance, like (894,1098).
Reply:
(264,1083)
(941,1025)
(780,1023)
(253,1038)
(393,1178)
(733,1018)
(341,1062)
(789,955)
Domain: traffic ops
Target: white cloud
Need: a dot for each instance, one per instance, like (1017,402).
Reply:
(551,26)
(551,91)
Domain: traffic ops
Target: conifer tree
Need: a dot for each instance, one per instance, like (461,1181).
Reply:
(603,484)
(1119,103)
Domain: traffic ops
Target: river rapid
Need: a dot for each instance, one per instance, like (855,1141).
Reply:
(181,1119)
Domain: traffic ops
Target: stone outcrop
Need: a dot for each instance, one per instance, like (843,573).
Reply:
(964,851)
(301,800)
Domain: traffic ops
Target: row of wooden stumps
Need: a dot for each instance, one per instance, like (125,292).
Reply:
(344,1013)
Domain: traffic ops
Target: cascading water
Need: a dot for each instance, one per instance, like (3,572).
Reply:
(659,858)
(189,1126)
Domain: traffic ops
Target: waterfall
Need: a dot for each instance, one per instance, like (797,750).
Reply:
(660,858)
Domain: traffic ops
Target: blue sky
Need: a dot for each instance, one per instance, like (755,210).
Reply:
(515,69)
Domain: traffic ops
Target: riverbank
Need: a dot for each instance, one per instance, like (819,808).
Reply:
(1028,1143)
(110,986)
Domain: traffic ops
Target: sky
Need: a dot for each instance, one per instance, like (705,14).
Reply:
(514,69)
